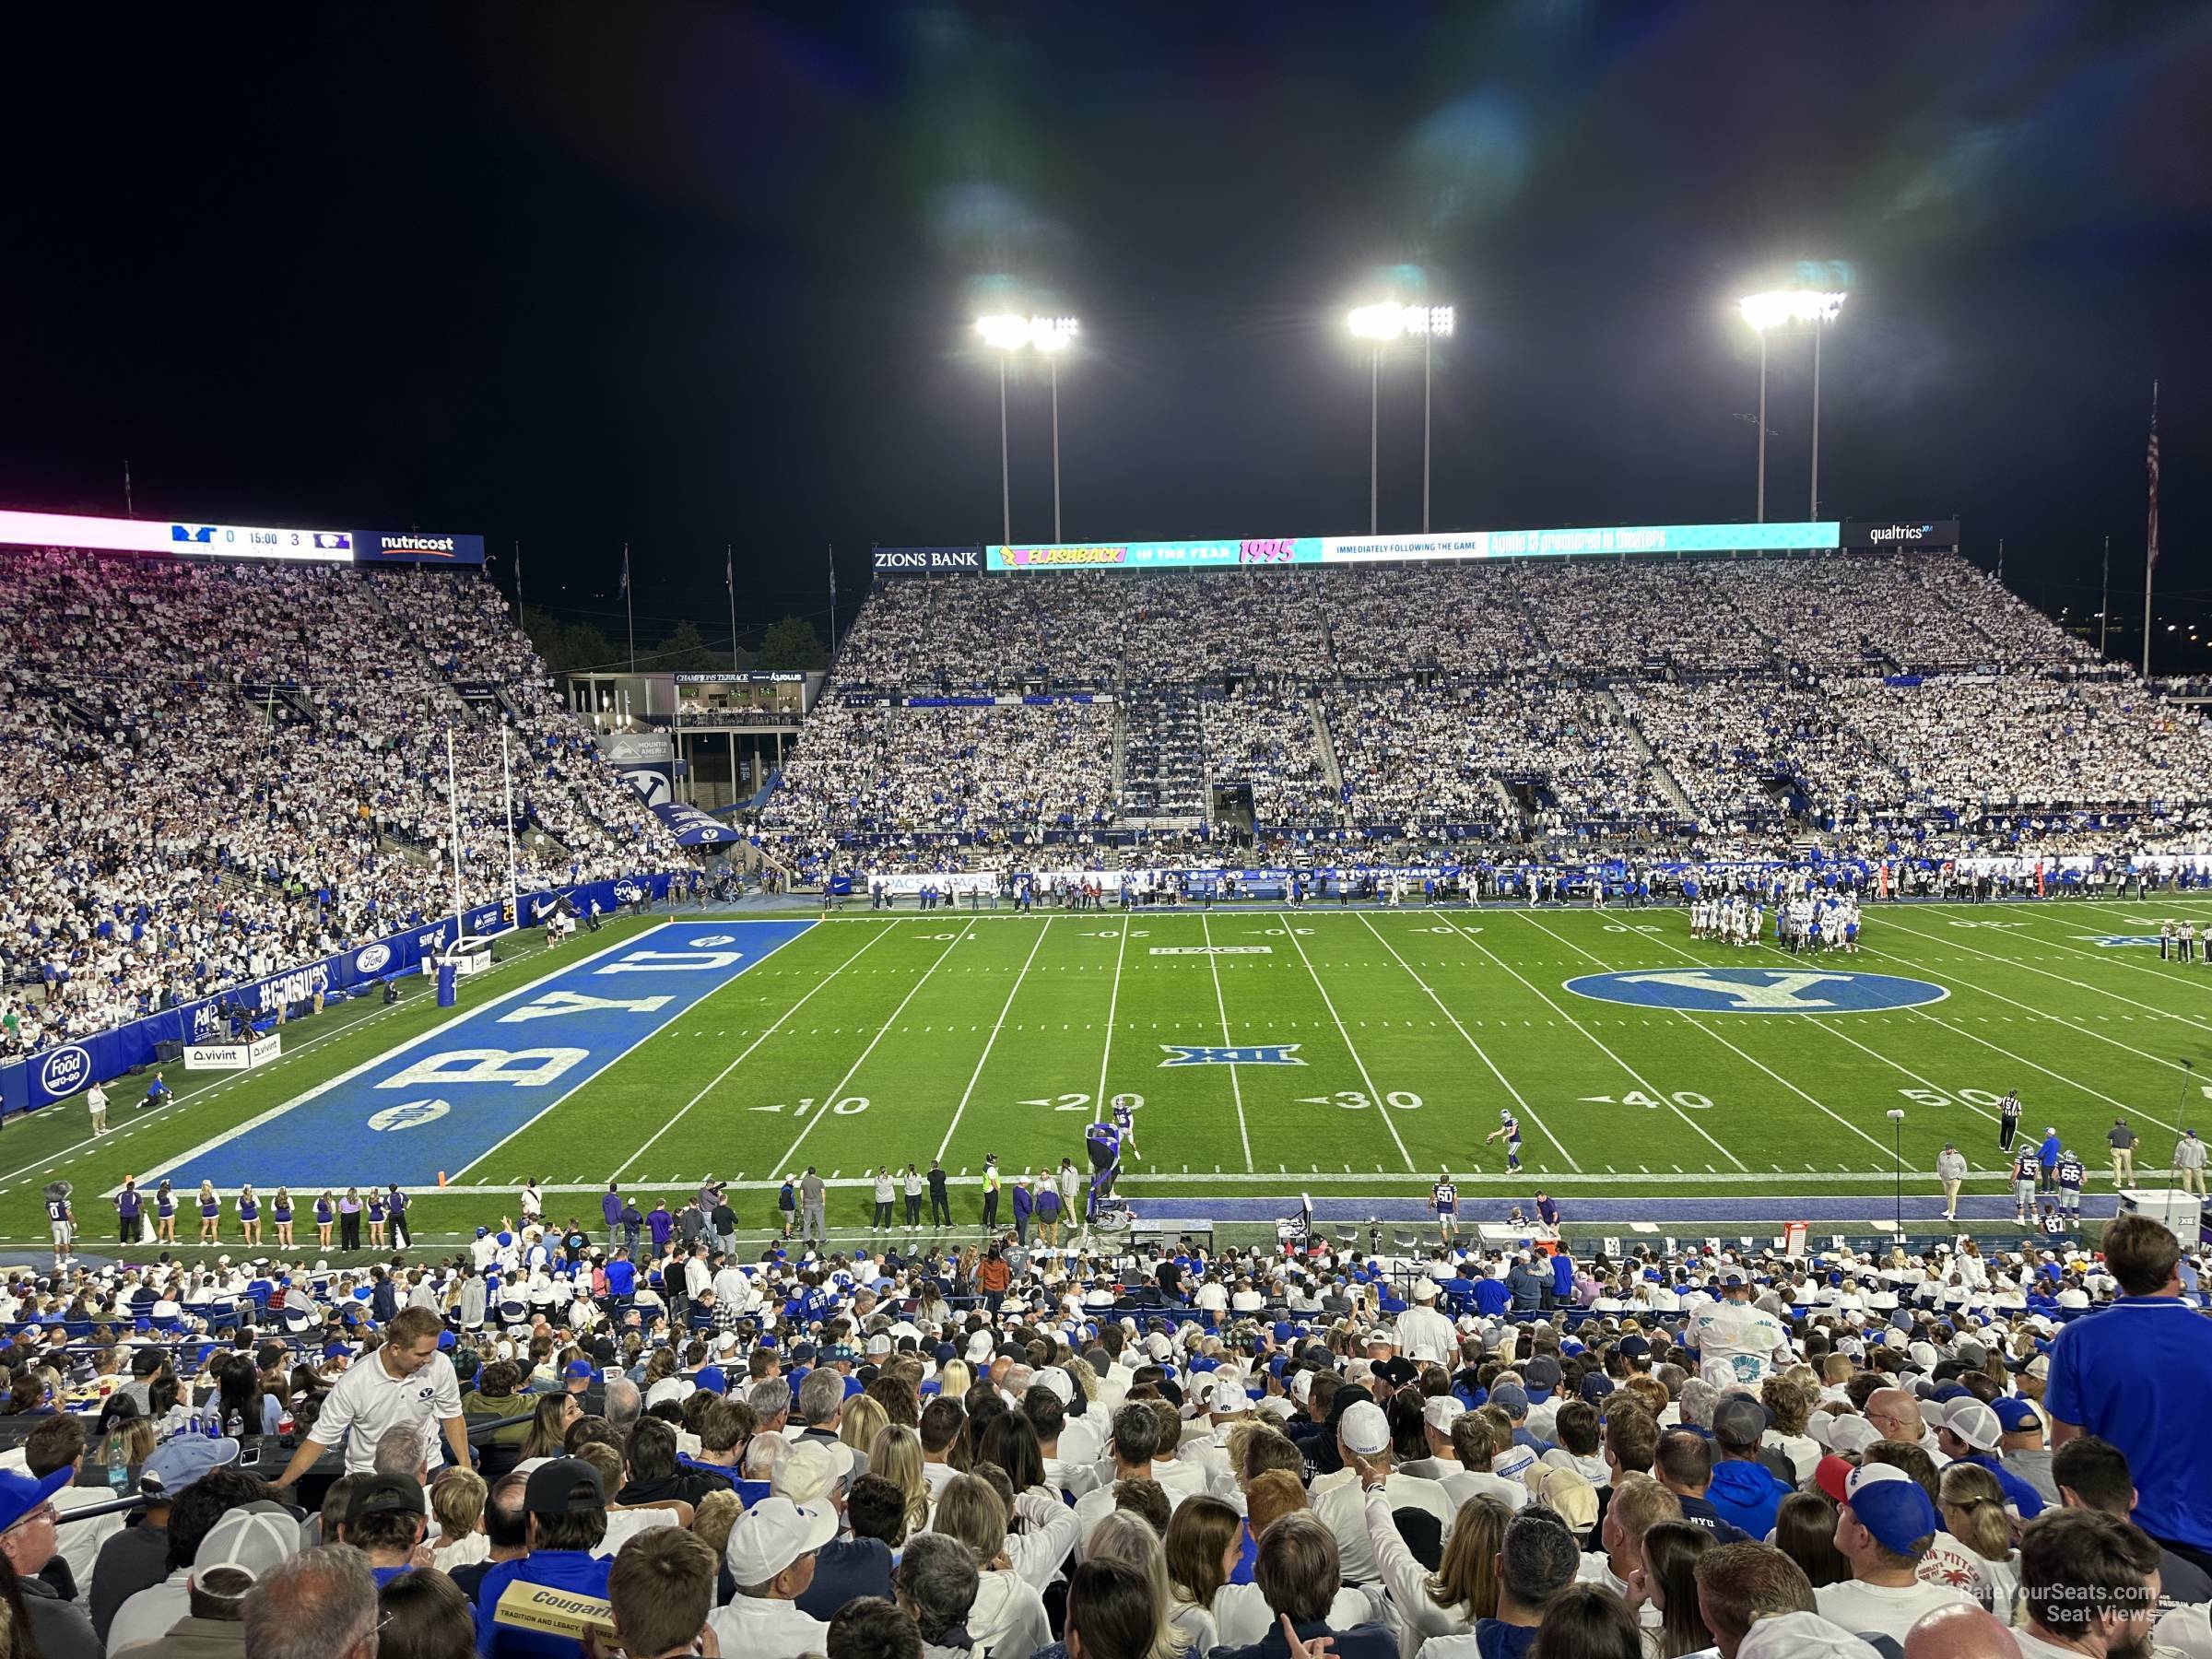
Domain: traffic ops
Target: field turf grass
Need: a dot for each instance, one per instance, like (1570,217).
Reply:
(879,1039)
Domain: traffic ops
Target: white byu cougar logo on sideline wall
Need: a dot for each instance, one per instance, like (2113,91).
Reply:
(1779,991)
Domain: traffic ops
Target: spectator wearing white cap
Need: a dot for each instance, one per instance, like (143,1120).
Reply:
(1971,1433)
(1884,1527)
(1425,1336)
(1439,1413)
(1340,1500)
(241,1550)
(771,1554)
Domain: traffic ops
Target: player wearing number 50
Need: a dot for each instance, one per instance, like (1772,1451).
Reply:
(1444,1198)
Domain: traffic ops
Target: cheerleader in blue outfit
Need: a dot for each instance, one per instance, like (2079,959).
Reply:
(249,1214)
(211,1215)
(165,1213)
(280,1212)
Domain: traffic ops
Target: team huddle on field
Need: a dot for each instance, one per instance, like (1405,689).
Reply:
(1803,922)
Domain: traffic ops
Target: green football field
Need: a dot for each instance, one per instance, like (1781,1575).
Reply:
(1348,1053)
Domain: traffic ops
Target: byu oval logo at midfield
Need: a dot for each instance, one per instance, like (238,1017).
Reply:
(1756,990)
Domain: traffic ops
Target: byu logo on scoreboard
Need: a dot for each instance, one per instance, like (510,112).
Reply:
(1264,1054)
(1757,991)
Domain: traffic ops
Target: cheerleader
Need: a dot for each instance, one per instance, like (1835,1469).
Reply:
(165,1213)
(249,1214)
(376,1218)
(211,1215)
(280,1212)
(326,1211)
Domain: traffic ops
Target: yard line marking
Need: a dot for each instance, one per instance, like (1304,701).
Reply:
(360,1022)
(1236,1089)
(874,940)
(1639,1080)
(829,1100)
(976,1076)
(1479,1055)
(1661,939)
(2118,959)
(2047,974)
(1373,1093)
(2060,1020)
(2060,1076)
(1399,1185)
(1114,1001)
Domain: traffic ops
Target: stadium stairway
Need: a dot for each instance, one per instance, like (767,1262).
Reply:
(1659,770)
(1326,745)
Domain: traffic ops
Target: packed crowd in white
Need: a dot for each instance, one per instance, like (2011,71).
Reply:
(215,770)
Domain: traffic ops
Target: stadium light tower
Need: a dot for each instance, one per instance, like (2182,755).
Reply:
(1780,309)
(1380,325)
(1006,334)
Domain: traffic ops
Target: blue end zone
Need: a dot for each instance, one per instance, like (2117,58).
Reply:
(449,1097)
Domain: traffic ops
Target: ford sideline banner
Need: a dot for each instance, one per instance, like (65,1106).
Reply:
(43,1078)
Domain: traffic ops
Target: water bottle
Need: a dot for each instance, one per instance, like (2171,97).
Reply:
(235,1426)
(118,1463)
(215,1423)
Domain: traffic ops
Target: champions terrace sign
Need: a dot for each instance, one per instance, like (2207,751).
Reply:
(1616,540)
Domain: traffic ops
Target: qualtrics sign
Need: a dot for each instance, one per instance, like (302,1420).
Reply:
(1900,533)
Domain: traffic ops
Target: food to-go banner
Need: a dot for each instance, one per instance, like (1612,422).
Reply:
(55,1074)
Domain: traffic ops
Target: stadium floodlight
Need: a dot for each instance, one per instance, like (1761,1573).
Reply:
(1780,308)
(1005,334)
(1003,331)
(1380,325)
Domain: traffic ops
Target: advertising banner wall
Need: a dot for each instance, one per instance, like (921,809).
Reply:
(54,1074)
(1620,539)
(193,539)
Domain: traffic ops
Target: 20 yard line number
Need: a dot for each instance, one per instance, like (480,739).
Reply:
(1081,1102)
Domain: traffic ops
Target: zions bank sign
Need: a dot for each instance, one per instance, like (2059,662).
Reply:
(927,561)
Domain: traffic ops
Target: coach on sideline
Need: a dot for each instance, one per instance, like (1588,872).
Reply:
(407,1381)
(2133,1374)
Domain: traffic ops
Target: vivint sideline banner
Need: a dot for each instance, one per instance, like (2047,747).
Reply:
(1381,550)
(193,539)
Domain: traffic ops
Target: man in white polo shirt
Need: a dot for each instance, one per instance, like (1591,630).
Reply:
(406,1380)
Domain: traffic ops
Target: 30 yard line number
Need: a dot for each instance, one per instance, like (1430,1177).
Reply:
(1352,1099)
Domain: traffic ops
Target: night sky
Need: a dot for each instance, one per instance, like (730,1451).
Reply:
(683,273)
